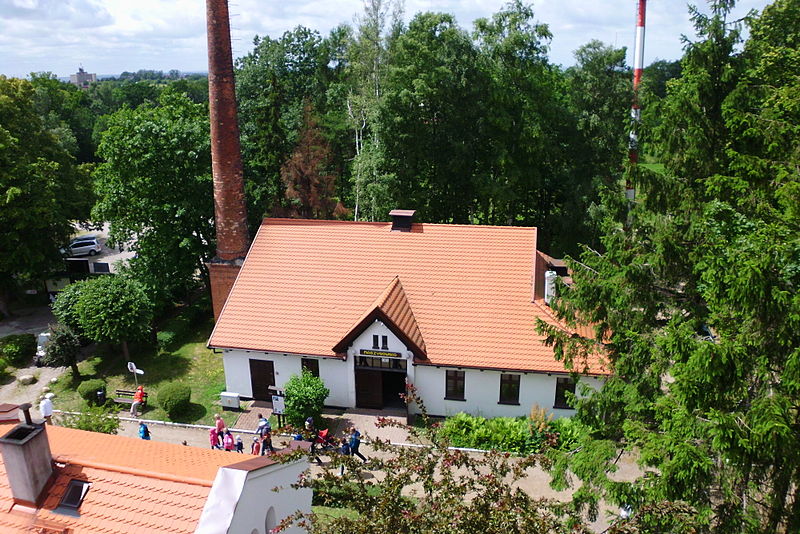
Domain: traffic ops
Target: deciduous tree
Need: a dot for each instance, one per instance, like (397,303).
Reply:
(155,189)
(38,181)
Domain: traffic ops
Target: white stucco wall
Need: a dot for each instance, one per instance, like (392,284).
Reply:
(481,388)
(257,497)
(338,375)
(335,373)
(482,393)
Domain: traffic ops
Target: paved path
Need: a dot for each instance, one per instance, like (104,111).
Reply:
(536,483)
(27,320)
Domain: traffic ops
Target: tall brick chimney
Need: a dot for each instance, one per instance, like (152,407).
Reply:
(230,210)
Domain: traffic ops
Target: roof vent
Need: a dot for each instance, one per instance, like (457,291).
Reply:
(402,219)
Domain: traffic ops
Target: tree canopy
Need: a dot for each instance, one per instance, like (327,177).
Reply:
(154,187)
(41,190)
(693,296)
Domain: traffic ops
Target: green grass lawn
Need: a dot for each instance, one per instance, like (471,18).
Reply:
(326,513)
(190,362)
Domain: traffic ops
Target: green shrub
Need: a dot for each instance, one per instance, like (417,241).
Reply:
(569,432)
(166,339)
(88,389)
(93,420)
(64,348)
(305,397)
(18,349)
(174,398)
(3,366)
(511,434)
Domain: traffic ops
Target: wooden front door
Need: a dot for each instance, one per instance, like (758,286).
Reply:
(369,389)
(262,376)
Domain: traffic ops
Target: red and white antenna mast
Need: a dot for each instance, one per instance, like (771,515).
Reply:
(638,64)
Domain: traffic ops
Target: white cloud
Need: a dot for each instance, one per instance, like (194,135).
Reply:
(110,36)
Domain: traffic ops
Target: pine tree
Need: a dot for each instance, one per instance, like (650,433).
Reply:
(694,299)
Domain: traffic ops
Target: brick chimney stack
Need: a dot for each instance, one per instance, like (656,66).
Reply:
(230,210)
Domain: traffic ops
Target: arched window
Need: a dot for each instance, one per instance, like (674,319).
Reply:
(270,523)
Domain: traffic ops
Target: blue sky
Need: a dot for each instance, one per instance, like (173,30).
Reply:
(111,36)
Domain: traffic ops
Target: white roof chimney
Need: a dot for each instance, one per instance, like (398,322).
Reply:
(549,286)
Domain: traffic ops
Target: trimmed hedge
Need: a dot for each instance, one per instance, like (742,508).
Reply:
(88,389)
(174,398)
(18,349)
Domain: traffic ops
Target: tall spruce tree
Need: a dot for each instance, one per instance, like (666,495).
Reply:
(694,299)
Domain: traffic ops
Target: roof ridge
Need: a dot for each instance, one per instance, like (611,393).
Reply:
(134,471)
(266,220)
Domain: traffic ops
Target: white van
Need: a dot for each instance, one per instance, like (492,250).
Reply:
(84,246)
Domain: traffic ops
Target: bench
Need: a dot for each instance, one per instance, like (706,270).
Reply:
(124,396)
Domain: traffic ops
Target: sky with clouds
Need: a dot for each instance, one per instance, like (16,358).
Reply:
(111,36)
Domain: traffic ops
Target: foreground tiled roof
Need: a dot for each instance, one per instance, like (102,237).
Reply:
(305,284)
(137,486)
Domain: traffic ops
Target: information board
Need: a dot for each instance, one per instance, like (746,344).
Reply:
(278,405)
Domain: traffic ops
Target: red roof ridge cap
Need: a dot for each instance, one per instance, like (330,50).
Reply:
(268,220)
(136,472)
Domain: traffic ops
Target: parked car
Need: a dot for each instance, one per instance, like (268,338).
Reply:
(83,246)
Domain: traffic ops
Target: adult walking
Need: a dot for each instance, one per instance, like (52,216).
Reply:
(46,408)
(355,442)
(264,431)
(219,424)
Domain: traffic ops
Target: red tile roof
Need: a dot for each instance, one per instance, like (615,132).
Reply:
(305,283)
(137,486)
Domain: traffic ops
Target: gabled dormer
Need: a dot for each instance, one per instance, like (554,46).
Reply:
(393,309)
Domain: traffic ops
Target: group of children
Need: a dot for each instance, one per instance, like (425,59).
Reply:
(220,437)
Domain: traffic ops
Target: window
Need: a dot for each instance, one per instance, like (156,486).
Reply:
(563,385)
(385,342)
(509,389)
(454,385)
(312,366)
(74,494)
(375,342)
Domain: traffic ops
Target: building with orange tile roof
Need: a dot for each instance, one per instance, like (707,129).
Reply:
(61,480)
(369,306)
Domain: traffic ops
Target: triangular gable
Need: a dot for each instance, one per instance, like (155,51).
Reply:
(393,309)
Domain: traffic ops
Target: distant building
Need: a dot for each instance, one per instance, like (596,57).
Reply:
(58,480)
(82,78)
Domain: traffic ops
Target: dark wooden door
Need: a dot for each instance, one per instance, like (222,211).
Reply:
(262,376)
(369,389)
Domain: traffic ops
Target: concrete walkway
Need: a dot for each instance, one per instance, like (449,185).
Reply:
(27,321)
(536,483)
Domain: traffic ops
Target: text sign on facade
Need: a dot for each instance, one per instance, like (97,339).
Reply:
(380,353)
(278,405)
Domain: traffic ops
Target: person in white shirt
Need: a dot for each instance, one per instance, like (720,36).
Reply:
(46,408)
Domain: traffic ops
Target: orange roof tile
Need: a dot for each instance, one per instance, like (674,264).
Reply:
(305,283)
(137,486)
